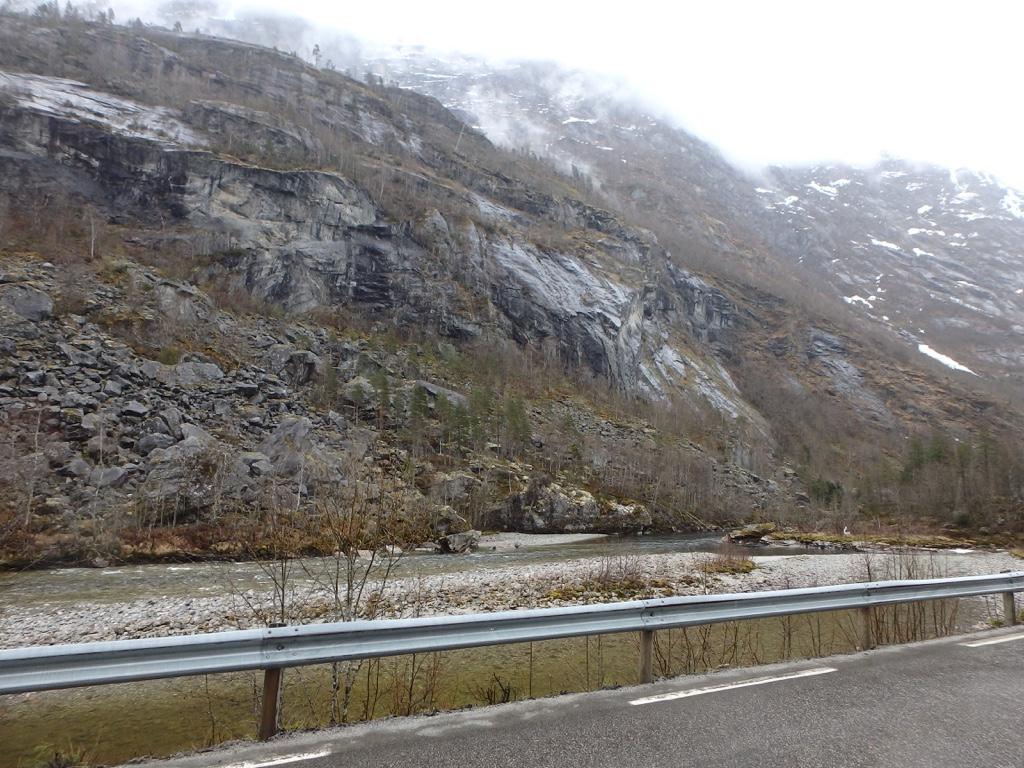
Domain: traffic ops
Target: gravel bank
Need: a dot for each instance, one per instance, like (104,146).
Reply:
(505,542)
(586,580)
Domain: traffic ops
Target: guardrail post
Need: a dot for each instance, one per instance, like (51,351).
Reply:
(1009,609)
(271,700)
(647,656)
(866,640)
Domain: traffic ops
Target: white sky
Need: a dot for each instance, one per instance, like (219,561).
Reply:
(776,81)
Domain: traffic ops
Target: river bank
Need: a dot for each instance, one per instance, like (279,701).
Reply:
(510,587)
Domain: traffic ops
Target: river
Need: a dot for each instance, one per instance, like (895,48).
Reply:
(57,587)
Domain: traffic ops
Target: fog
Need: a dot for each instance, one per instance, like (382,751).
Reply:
(783,82)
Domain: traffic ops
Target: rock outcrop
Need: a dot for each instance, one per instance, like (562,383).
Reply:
(551,508)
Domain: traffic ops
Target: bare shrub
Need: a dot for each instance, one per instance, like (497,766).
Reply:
(496,691)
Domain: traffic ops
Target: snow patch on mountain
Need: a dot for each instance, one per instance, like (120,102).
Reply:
(824,189)
(1013,204)
(946,360)
(70,99)
(861,300)
(885,244)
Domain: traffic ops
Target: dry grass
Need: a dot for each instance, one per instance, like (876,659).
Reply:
(613,578)
(909,540)
(727,563)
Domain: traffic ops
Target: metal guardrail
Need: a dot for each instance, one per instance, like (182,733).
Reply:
(43,668)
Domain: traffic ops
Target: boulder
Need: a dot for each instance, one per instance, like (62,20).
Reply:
(358,392)
(91,424)
(172,418)
(187,374)
(289,446)
(453,487)
(434,391)
(751,534)
(246,389)
(153,424)
(26,302)
(34,378)
(554,509)
(446,520)
(135,409)
(188,475)
(296,366)
(73,399)
(258,463)
(77,356)
(197,433)
(458,543)
(152,441)
(108,477)
(183,304)
(77,467)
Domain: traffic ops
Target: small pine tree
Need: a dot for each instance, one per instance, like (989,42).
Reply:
(459,427)
(419,417)
(481,416)
(914,461)
(443,410)
(358,395)
(383,391)
(517,426)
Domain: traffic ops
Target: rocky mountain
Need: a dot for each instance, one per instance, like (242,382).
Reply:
(945,245)
(934,255)
(773,226)
(230,276)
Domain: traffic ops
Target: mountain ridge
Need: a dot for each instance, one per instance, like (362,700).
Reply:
(230,201)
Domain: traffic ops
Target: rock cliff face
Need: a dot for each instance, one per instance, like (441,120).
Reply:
(306,240)
(929,255)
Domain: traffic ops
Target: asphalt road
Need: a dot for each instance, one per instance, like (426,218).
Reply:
(932,704)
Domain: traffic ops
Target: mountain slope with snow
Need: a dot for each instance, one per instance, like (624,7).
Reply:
(935,255)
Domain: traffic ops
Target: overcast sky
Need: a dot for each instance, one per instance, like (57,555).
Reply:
(775,81)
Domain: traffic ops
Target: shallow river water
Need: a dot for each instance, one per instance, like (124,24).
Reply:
(62,586)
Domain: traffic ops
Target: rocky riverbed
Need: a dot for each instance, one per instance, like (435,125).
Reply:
(517,586)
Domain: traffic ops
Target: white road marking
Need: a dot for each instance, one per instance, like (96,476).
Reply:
(730,686)
(993,641)
(282,760)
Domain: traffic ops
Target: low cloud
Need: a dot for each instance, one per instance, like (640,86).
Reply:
(785,82)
